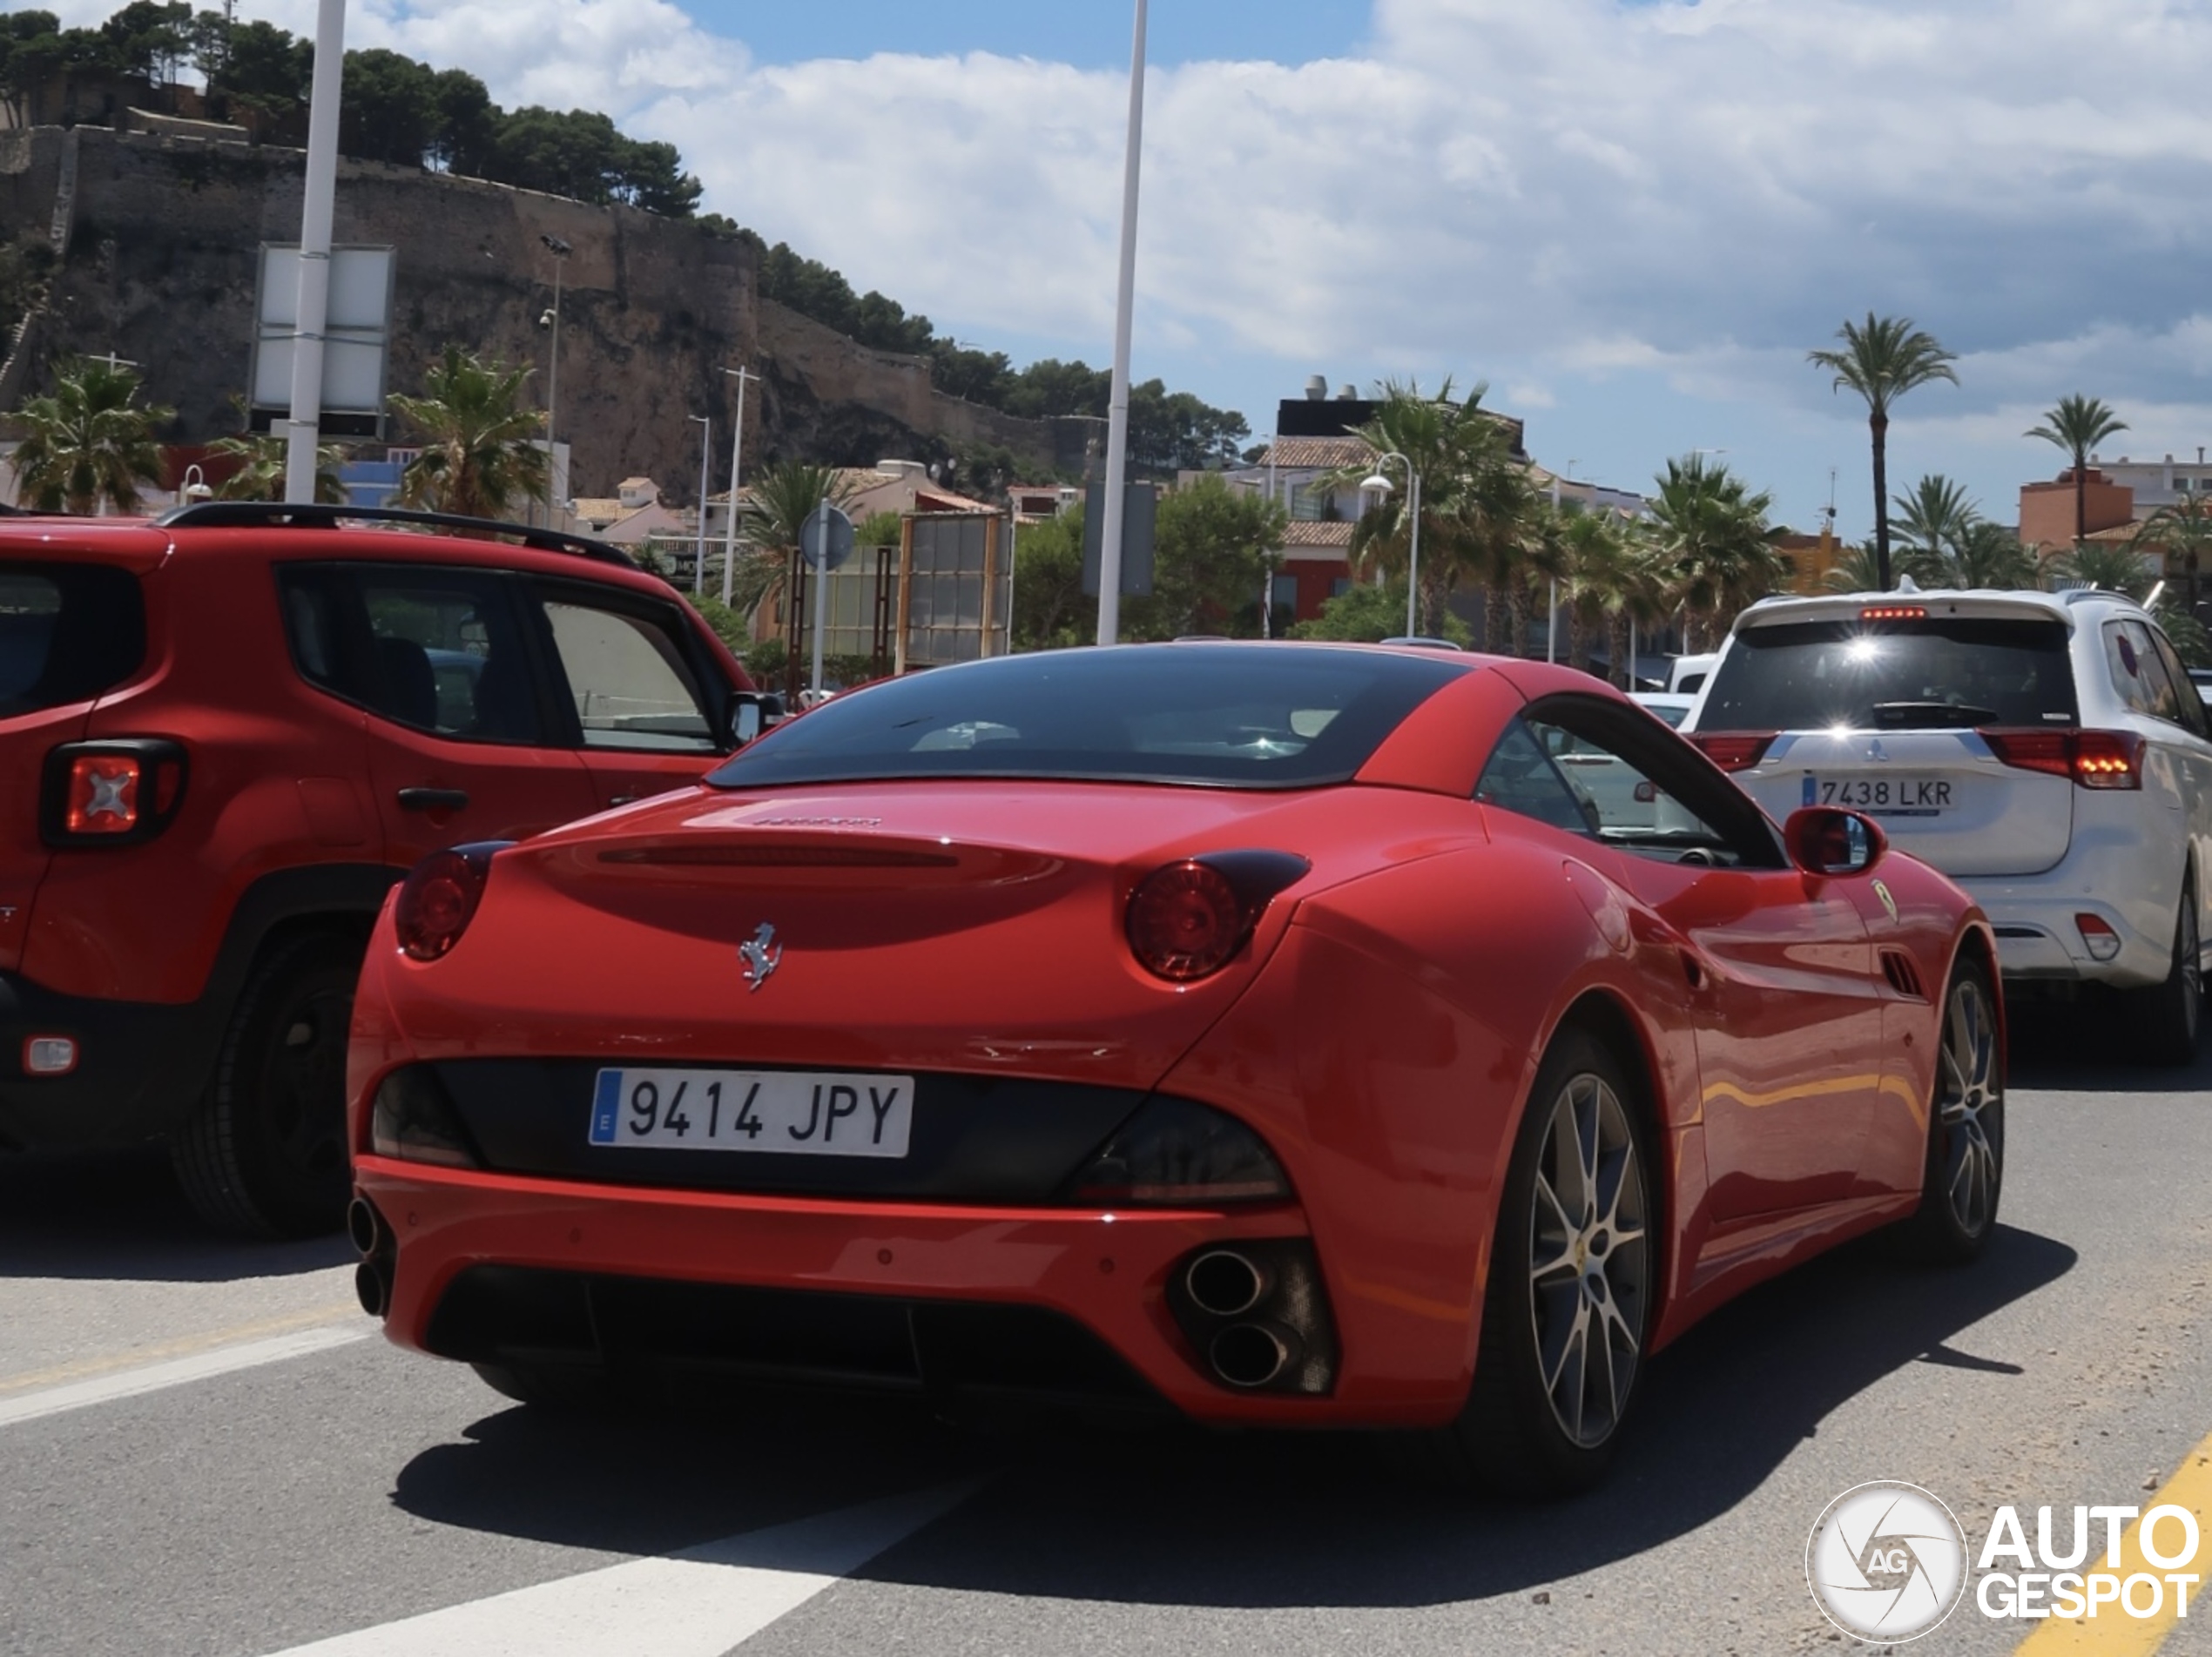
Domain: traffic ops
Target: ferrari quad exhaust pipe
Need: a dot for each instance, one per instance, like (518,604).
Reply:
(364,1225)
(372,1277)
(371,1286)
(1226,1282)
(1252,1355)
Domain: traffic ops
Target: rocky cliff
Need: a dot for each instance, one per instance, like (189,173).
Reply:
(158,238)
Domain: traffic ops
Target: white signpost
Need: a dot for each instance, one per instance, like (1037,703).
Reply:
(825,541)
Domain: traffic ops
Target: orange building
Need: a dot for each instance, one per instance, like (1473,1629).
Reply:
(2046,509)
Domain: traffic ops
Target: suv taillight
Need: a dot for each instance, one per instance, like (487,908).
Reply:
(1734,749)
(439,897)
(2089,759)
(117,791)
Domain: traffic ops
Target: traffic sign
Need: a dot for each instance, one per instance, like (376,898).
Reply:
(825,539)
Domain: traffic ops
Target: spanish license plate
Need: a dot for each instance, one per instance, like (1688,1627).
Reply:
(1882,796)
(793,1112)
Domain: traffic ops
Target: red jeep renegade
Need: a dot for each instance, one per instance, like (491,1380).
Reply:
(223,735)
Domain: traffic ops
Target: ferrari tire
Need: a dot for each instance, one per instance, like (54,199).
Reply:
(545,1386)
(263,1153)
(1964,1175)
(2168,1016)
(1567,1312)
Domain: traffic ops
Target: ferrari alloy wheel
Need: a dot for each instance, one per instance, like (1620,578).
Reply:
(1568,1308)
(1589,1260)
(264,1152)
(1965,1164)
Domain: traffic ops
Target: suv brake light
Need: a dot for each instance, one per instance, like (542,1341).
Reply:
(2088,759)
(114,792)
(1734,751)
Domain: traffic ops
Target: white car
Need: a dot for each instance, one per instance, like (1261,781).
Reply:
(2046,751)
(1669,707)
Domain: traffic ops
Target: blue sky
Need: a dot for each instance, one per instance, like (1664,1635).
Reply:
(1632,219)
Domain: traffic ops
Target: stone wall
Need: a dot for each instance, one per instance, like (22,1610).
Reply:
(160,268)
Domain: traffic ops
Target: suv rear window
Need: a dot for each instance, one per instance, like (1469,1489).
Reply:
(67,633)
(1942,672)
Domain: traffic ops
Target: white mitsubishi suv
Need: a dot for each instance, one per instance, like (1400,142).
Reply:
(2046,751)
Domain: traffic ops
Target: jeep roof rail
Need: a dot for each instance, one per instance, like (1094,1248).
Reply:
(254,515)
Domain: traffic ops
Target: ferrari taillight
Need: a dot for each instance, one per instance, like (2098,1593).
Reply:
(1185,921)
(2090,758)
(1734,751)
(439,898)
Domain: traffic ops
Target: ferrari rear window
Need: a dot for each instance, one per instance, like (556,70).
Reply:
(1937,673)
(1263,717)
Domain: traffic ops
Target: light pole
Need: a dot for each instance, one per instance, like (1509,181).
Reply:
(737,445)
(1375,484)
(1110,542)
(1551,624)
(303,431)
(560,250)
(705,423)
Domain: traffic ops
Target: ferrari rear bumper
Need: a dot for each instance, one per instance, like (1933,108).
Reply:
(1080,1305)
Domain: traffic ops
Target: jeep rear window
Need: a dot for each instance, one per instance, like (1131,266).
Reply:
(1940,673)
(68,632)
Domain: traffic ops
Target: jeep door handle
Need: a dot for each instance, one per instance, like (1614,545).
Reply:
(434,799)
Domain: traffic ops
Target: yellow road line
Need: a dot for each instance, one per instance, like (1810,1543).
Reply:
(184,1346)
(2112,1633)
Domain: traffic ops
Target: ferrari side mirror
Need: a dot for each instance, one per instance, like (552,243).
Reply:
(1825,842)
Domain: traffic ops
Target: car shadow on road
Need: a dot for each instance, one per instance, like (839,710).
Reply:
(117,1216)
(2079,1046)
(1234,1520)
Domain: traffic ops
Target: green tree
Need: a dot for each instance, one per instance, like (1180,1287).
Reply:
(388,109)
(1050,608)
(2078,424)
(1713,534)
(262,458)
(1364,614)
(481,447)
(89,443)
(265,69)
(148,39)
(1989,555)
(1855,570)
(467,124)
(2182,531)
(30,55)
(1933,520)
(1881,361)
(1211,544)
(2098,564)
(781,498)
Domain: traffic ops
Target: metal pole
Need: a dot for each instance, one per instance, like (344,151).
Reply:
(1413,549)
(737,444)
(1012,569)
(1551,621)
(706,454)
(303,435)
(1110,545)
(1267,570)
(818,526)
(553,491)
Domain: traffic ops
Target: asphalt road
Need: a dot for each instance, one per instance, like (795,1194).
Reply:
(336,1489)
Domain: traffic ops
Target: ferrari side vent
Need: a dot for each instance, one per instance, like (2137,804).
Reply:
(1904,976)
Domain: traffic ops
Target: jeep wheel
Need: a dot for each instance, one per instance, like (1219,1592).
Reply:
(264,1152)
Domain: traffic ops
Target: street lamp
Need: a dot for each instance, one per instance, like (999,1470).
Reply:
(705,423)
(195,488)
(736,442)
(1378,485)
(560,250)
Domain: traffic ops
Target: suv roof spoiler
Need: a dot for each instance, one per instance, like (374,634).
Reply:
(280,515)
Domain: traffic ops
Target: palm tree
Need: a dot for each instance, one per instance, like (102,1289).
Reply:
(1475,500)
(2182,530)
(1989,555)
(783,497)
(1881,361)
(262,458)
(1933,520)
(481,447)
(1713,532)
(1598,554)
(88,444)
(1855,570)
(2100,563)
(2077,425)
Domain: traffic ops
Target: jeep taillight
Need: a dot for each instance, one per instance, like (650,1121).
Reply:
(119,791)
(439,898)
(2088,759)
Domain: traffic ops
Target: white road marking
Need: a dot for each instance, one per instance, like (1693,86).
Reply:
(154,1378)
(697,1603)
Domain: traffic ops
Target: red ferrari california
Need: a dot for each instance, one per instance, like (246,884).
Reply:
(1278,1034)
